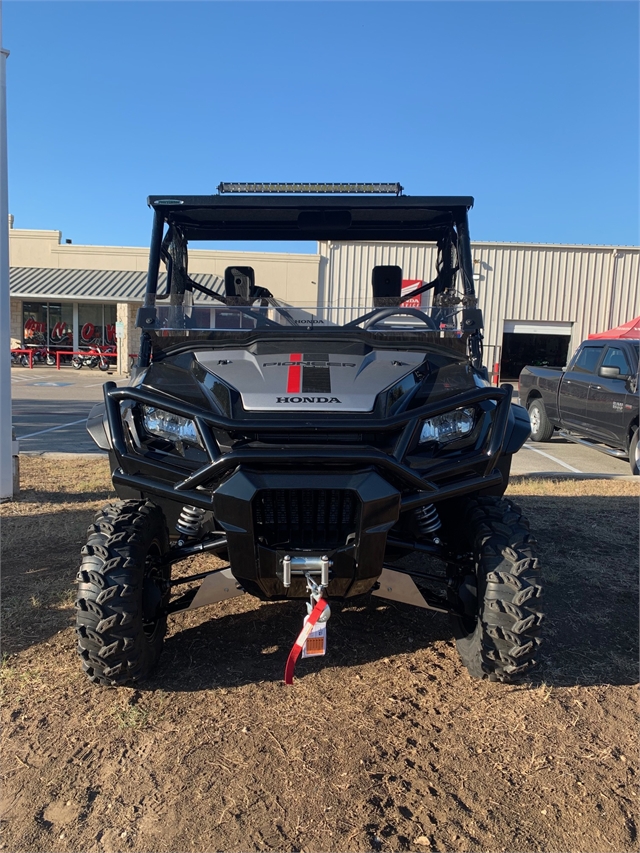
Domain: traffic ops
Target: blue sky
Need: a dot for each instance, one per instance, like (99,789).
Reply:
(531,107)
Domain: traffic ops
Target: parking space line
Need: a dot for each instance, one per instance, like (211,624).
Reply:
(93,384)
(52,429)
(553,458)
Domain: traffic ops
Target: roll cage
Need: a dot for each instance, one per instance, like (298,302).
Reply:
(179,220)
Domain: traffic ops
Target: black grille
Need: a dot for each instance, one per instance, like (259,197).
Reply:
(305,518)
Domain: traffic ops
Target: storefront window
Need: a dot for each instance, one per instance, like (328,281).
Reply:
(90,324)
(110,324)
(51,324)
(61,325)
(34,323)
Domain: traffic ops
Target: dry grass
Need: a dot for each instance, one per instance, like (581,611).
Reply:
(568,487)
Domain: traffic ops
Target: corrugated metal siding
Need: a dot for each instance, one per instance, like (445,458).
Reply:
(347,274)
(625,296)
(587,286)
(103,285)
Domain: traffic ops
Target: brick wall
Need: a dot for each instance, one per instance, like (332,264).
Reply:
(16,322)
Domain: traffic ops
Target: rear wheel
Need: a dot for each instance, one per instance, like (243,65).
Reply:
(498,638)
(541,426)
(77,361)
(122,593)
(634,453)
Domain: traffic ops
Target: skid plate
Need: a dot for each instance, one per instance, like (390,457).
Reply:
(398,586)
(218,586)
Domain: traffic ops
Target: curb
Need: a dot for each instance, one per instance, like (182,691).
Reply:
(561,475)
(61,455)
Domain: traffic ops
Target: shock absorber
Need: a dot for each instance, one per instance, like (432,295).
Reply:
(428,521)
(190,521)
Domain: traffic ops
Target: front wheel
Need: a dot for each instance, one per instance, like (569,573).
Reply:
(122,593)
(104,364)
(51,360)
(634,453)
(498,638)
(541,426)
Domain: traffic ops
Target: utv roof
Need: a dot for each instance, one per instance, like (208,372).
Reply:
(312,217)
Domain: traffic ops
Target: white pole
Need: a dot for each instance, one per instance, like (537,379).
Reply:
(6,462)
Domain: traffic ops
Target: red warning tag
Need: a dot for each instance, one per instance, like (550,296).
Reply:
(310,623)
(316,643)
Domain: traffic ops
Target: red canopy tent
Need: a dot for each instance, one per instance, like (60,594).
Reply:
(627,330)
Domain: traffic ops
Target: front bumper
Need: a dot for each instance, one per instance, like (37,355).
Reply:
(345,516)
(248,486)
(472,470)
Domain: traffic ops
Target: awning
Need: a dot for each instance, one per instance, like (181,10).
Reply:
(39,283)
(626,330)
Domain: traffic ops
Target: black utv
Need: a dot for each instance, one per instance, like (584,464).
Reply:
(310,446)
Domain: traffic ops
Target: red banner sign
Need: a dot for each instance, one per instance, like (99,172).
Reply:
(409,284)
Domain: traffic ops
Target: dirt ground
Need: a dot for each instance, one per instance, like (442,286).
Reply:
(384,744)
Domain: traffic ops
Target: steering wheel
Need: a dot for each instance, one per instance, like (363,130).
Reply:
(379,314)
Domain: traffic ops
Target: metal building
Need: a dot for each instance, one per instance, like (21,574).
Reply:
(539,301)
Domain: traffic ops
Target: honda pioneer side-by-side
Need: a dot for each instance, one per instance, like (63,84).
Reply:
(311,445)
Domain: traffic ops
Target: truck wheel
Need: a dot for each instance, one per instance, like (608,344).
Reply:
(498,639)
(120,621)
(541,427)
(634,453)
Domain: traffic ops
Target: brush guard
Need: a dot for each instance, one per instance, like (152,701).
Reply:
(475,470)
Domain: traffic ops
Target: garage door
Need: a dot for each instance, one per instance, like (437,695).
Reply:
(533,342)
(527,327)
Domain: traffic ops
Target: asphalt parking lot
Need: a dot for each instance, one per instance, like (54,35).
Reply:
(50,408)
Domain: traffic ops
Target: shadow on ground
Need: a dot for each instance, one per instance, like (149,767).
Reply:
(588,549)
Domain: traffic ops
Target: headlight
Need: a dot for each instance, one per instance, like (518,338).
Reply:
(449,426)
(169,426)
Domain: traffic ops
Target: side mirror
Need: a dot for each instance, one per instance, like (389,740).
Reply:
(611,373)
(239,282)
(386,282)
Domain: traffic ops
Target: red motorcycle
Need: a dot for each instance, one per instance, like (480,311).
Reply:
(97,356)
(41,355)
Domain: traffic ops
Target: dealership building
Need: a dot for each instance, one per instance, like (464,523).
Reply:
(539,300)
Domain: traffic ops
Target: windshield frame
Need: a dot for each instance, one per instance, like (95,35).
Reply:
(181,219)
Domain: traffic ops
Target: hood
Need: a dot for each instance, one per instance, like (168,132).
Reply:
(309,381)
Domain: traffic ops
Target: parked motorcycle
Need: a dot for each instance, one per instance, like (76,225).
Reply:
(21,359)
(41,355)
(97,356)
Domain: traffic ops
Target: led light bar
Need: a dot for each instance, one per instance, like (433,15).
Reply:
(396,189)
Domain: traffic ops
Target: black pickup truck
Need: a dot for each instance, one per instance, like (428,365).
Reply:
(594,401)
